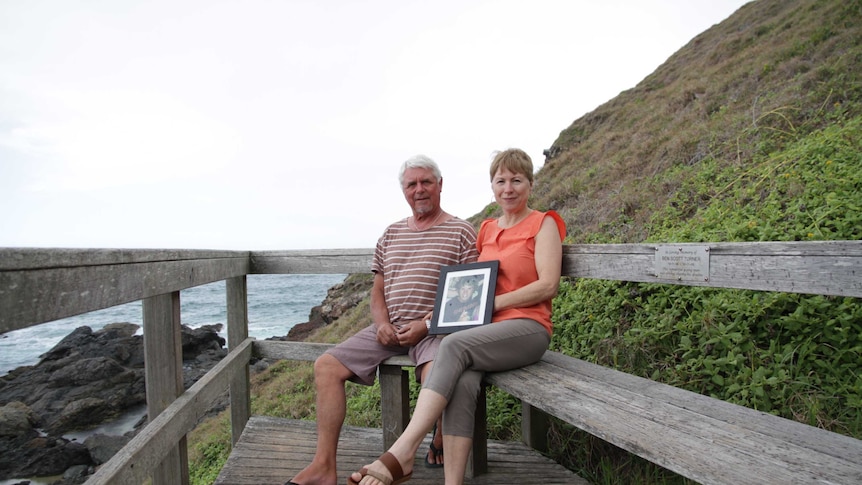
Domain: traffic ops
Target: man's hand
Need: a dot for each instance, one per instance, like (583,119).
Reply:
(386,335)
(411,333)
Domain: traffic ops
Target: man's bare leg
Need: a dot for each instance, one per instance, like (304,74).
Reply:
(437,439)
(330,377)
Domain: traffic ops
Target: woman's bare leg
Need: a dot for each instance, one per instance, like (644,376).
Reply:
(429,407)
(457,452)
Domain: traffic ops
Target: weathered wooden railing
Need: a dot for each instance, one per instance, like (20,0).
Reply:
(40,285)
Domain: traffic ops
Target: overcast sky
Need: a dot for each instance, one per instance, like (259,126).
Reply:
(281,124)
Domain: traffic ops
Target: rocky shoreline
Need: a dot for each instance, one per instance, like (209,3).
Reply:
(90,378)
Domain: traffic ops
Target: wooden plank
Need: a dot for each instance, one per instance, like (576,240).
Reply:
(682,431)
(237,332)
(308,351)
(19,259)
(849,248)
(33,296)
(163,365)
(319,261)
(136,461)
(394,402)
(816,267)
(272,450)
(278,350)
(767,424)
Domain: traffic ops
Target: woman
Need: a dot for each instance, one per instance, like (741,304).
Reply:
(528,244)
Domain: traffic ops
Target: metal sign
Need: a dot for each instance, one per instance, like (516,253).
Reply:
(682,262)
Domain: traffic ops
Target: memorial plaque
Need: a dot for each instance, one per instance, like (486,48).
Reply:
(682,263)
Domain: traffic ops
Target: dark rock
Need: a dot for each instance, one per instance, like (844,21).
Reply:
(85,371)
(259,366)
(301,331)
(201,339)
(102,447)
(90,377)
(43,456)
(16,419)
(86,379)
(82,414)
(344,297)
(77,474)
(116,341)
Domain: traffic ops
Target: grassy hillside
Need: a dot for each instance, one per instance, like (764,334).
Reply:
(751,132)
(770,74)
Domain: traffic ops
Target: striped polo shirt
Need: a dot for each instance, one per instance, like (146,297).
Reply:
(410,263)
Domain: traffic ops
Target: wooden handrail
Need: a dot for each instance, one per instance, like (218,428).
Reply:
(812,267)
(41,285)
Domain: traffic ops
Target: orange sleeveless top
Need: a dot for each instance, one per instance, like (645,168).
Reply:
(515,248)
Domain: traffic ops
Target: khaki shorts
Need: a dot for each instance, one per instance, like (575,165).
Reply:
(362,353)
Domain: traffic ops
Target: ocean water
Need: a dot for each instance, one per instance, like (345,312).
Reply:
(275,304)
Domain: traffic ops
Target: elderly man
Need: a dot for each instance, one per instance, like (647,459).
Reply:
(406,267)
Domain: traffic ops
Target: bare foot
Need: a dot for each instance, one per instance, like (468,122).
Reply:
(314,475)
(434,458)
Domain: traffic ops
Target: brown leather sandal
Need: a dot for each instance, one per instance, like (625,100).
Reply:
(392,465)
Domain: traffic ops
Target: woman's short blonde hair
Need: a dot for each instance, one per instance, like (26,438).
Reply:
(514,160)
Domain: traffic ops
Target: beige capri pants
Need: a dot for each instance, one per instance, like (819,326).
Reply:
(465,356)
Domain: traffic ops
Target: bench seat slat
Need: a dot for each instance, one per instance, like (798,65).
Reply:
(776,427)
(708,440)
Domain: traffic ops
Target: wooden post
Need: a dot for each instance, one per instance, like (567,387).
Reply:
(163,364)
(534,427)
(237,332)
(478,462)
(394,402)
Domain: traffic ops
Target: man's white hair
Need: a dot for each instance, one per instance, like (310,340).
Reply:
(419,161)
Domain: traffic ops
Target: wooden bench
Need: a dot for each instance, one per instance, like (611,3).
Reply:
(701,438)
(705,439)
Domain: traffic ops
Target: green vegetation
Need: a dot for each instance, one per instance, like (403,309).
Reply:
(751,132)
(796,356)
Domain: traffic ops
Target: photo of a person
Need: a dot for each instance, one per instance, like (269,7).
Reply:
(465,305)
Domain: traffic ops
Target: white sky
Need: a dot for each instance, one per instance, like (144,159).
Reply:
(281,124)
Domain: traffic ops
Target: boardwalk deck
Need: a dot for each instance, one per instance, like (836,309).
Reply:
(271,450)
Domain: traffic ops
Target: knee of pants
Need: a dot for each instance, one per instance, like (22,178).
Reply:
(460,413)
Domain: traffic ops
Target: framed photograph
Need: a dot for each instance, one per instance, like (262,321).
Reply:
(465,296)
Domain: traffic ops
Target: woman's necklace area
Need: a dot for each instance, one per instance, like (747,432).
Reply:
(416,227)
(515,219)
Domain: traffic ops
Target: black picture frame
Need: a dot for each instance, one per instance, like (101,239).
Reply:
(452,313)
